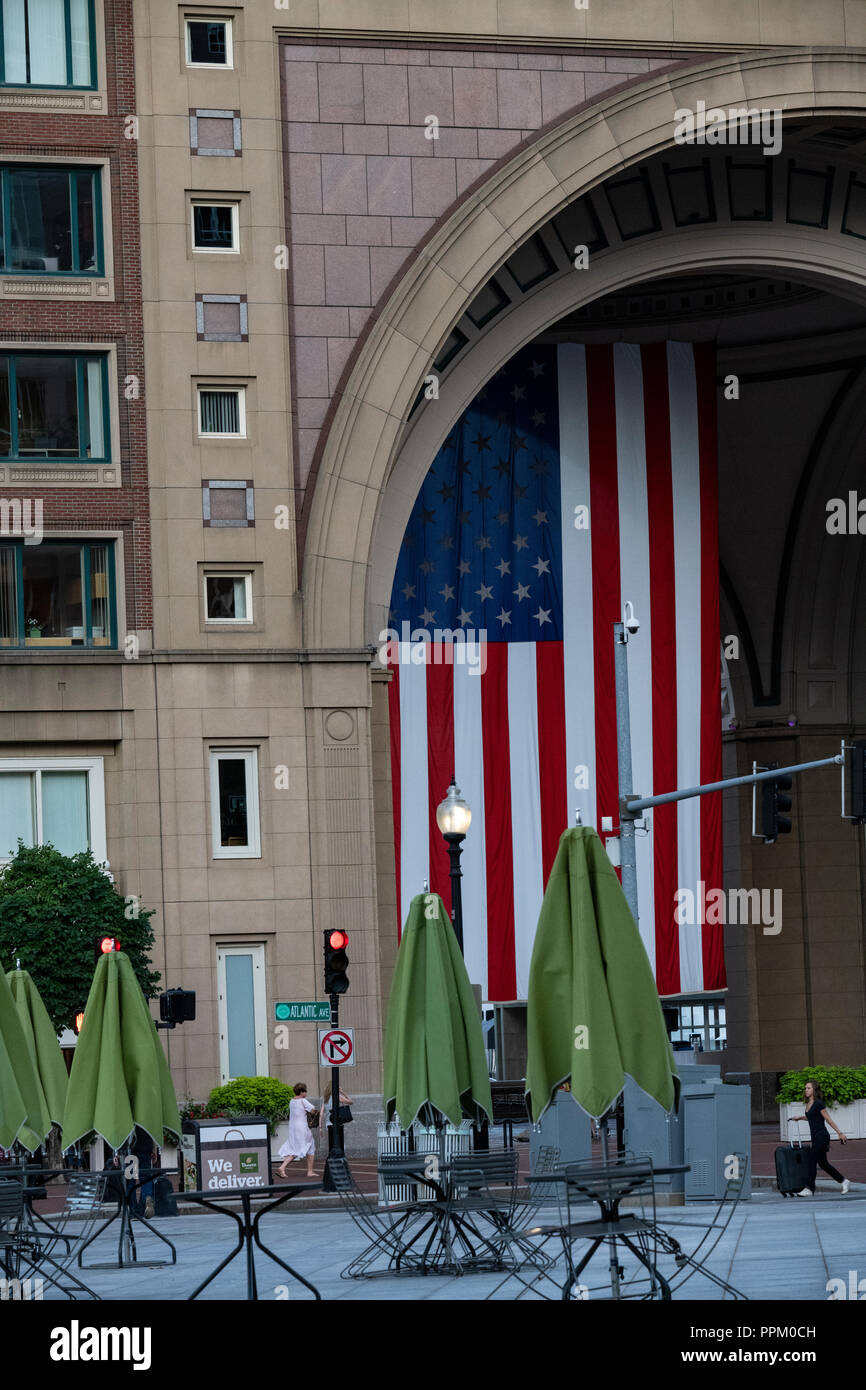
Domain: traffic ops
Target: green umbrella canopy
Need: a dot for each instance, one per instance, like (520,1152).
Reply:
(42,1044)
(23,1113)
(119,1076)
(435,1062)
(594,1015)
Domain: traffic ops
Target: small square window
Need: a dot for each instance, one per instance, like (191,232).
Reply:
(215,227)
(235,803)
(208,43)
(228,598)
(222,412)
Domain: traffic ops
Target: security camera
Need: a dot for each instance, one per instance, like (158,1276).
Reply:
(630,622)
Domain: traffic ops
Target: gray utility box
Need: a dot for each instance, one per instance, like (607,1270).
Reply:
(713,1124)
(564,1126)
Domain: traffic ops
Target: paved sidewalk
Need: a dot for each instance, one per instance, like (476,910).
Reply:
(773,1249)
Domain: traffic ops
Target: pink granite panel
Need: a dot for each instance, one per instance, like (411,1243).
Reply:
(493,144)
(344,183)
(368,231)
(312,411)
(408,231)
(431,94)
(413,57)
(308,53)
(582,62)
(519,98)
(496,60)
(324,139)
(341,91)
(302,92)
(305,182)
(559,92)
(384,264)
(551,61)
(468,170)
(365,139)
(409,139)
(308,274)
(357,319)
(338,353)
(475,98)
(626,64)
(459,142)
(386,93)
(362,55)
(451,58)
(389,185)
(347,275)
(321,323)
(318,231)
(434,185)
(311,366)
(599,82)
(307,441)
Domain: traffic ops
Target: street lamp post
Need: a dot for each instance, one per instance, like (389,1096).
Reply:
(453,817)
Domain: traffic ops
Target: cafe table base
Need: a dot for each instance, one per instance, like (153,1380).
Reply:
(127,1253)
(248,1229)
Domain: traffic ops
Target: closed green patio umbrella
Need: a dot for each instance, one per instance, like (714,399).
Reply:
(594,1015)
(45,1054)
(435,1062)
(119,1076)
(24,1118)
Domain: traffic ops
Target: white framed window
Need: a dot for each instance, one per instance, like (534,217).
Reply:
(234,803)
(228,598)
(242,998)
(56,801)
(208,42)
(222,412)
(215,227)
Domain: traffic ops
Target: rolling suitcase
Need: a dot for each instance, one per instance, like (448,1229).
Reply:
(792,1167)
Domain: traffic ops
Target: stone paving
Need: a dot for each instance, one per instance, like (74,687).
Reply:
(773,1249)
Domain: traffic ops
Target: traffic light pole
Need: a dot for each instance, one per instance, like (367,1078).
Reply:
(772,774)
(335,1084)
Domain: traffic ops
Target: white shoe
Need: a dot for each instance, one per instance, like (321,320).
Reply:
(845,1185)
(806,1192)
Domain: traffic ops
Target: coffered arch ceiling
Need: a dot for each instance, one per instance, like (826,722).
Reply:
(499,271)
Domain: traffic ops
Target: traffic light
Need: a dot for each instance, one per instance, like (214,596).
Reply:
(336,962)
(774,801)
(103,945)
(177,1006)
(78,1020)
(857,764)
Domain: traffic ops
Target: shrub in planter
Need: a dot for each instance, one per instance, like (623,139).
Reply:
(252,1095)
(840,1085)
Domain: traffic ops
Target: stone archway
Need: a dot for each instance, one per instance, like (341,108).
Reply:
(470,244)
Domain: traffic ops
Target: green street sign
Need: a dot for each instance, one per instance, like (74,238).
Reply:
(309,1011)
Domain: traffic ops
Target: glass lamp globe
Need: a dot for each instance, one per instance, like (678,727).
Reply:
(453,816)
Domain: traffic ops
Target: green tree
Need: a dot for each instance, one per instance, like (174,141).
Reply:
(52,908)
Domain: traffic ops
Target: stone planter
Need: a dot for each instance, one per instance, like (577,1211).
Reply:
(851,1119)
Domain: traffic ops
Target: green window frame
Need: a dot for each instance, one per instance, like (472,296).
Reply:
(91,594)
(10,9)
(11,367)
(78,178)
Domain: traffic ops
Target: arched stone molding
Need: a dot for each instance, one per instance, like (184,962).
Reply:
(471,243)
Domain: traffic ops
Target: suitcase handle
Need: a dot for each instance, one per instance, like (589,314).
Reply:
(795,1120)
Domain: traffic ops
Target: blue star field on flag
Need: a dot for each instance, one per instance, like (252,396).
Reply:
(483,547)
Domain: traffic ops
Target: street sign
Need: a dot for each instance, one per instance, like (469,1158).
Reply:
(303,1011)
(337,1047)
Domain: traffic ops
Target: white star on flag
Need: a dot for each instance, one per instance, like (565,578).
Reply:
(521,591)
(521,542)
(428,617)
(518,392)
(539,518)
(504,568)
(542,616)
(538,417)
(537,369)
(484,592)
(464,567)
(464,617)
(408,591)
(542,566)
(504,617)
(447,592)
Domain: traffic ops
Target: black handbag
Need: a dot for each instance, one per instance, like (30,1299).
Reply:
(344,1114)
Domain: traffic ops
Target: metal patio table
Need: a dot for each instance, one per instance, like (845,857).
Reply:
(608,1185)
(121,1192)
(448,1225)
(248,1228)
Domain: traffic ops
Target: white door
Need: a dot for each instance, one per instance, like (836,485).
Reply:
(242,1020)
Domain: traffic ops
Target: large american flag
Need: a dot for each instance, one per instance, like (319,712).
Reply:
(579,478)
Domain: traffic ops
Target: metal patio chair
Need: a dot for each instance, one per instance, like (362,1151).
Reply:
(50,1250)
(689,1263)
(386,1228)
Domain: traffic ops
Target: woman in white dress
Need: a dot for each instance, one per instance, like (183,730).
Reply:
(300,1143)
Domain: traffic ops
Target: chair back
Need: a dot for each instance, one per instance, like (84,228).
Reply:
(11,1201)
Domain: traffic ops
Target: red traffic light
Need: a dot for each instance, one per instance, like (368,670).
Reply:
(338,940)
(79,1020)
(107,944)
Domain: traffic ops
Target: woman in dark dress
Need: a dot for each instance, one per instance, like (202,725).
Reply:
(816,1115)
